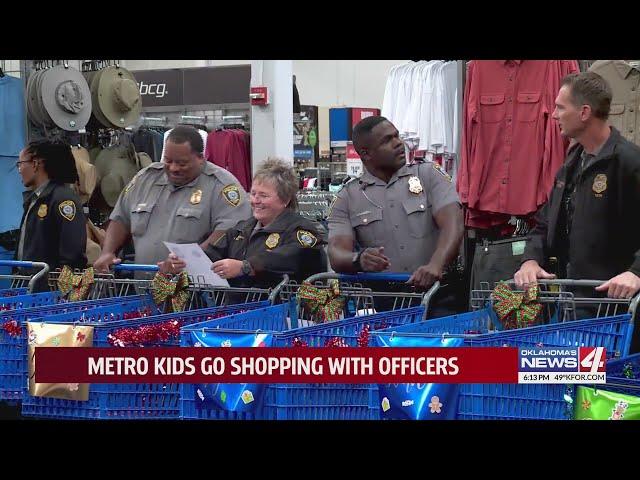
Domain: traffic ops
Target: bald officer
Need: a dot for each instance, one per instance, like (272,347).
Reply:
(185,199)
(405,218)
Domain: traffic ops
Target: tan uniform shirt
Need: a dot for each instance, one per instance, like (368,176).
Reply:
(155,211)
(625,84)
(397,215)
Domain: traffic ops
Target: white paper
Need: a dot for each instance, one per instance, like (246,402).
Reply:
(198,264)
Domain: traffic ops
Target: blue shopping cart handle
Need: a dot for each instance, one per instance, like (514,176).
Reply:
(135,267)
(383,277)
(15,263)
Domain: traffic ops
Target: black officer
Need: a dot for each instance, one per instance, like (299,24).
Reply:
(274,241)
(53,224)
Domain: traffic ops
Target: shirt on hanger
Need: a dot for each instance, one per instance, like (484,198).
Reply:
(625,85)
(12,116)
(511,146)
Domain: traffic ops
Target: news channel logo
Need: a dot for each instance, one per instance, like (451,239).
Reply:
(562,365)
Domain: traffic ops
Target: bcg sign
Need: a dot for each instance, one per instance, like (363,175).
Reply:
(194,86)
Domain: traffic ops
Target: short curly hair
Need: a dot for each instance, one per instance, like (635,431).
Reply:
(283,177)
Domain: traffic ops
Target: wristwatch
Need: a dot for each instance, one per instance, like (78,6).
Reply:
(246,267)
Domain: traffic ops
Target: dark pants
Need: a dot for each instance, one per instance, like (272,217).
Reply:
(496,261)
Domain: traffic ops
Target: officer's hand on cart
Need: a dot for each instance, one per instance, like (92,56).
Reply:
(105,261)
(529,273)
(425,276)
(227,268)
(625,285)
(173,264)
(374,260)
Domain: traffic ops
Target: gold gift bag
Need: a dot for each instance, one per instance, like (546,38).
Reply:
(42,334)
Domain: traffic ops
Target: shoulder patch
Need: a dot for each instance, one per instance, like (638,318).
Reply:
(67,209)
(231,194)
(441,171)
(306,238)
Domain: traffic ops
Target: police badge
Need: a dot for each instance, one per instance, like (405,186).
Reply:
(272,240)
(414,185)
(600,183)
(231,194)
(196,197)
(42,211)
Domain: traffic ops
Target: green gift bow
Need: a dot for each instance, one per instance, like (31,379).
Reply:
(596,404)
(517,310)
(174,290)
(326,303)
(75,287)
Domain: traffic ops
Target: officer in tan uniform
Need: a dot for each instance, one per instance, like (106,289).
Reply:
(404,218)
(185,199)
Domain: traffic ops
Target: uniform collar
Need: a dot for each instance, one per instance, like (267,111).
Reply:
(280,224)
(606,152)
(163,180)
(517,62)
(368,178)
(40,192)
(624,69)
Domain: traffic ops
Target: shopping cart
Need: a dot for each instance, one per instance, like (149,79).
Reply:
(13,342)
(305,401)
(610,328)
(360,299)
(21,281)
(119,284)
(19,294)
(128,401)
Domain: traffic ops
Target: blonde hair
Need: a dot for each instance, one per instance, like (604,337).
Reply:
(283,177)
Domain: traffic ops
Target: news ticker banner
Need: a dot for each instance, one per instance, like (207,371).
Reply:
(584,365)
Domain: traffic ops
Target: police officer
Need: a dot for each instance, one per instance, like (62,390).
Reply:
(185,199)
(53,224)
(590,221)
(405,218)
(275,241)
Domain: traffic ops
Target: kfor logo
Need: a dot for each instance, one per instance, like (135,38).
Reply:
(592,359)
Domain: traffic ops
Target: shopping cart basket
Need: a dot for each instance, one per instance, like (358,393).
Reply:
(126,401)
(13,342)
(304,401)
(536,401)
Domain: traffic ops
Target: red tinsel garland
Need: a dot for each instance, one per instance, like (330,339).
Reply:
(363,338)
(146,334)
(12,328)
(299,343)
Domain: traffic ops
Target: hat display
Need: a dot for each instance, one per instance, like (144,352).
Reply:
(116,168)
(59,97)
(87,173)
(93,78)
(116,98)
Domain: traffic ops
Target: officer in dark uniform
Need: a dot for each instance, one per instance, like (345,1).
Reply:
(274,241)
(590,221)
(53,224)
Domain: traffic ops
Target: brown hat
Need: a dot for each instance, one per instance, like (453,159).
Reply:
(116,168)
(87,173)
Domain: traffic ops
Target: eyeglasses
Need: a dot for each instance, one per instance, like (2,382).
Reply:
(20,162)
